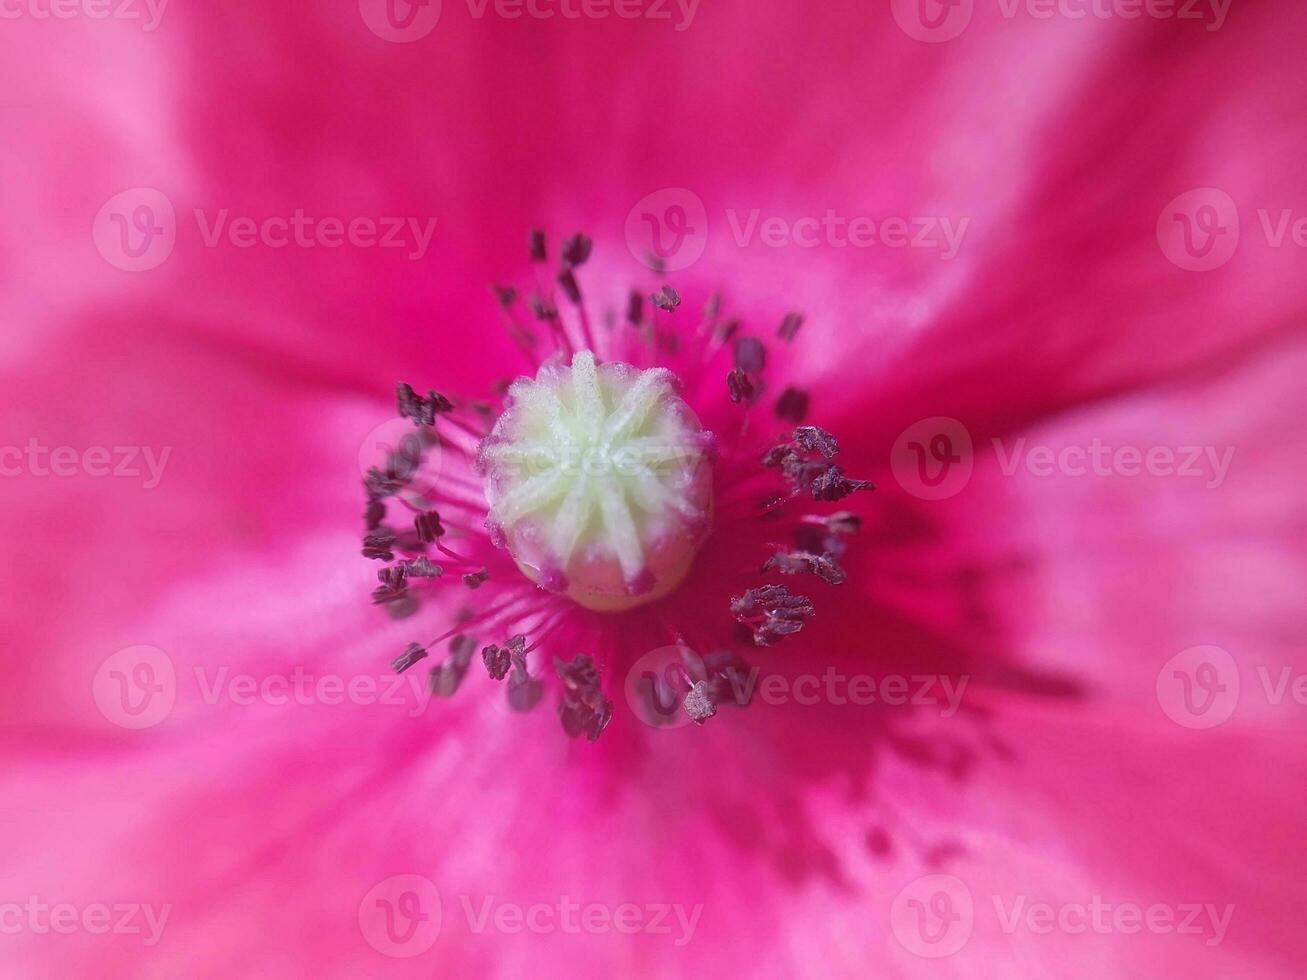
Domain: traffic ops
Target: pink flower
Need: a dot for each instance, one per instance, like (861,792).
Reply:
(1037,716)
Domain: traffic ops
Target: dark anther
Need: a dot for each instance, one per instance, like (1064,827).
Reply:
(577,249)
(524,691)
(506,295)
(393,584)
(814,439)
(824,565)
(473,580)
(447,676)
(411,655)
(635,308)
(377,544)
(698,705)
(666,299)
(422,567)
(584,708)
(834,485)
(725,331)
(792,406)
(541,308)
(499,659)
(536,245)
(772,612)
(568,281)
(374,514)
(379,485)
(740,387)
(404,462)
(406,400)
(422,411)
(789,326)
(427,524)
(712,307)
(750,355)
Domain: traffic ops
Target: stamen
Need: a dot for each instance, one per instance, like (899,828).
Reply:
(666,299)
(698,704)
(411,655)
(792,405)
(789,327)
(584,708)
(448,675)
(498,659)
(772,612)
(427,525)
(536,245)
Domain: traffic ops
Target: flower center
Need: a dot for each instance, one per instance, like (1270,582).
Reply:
(598,481)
